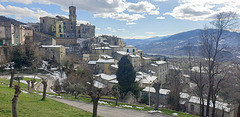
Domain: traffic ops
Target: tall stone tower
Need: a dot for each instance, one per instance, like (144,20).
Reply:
(73,20)
(72,13)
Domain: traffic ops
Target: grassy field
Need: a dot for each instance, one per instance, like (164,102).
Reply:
(30,105)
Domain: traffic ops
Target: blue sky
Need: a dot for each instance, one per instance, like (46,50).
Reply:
(125,18)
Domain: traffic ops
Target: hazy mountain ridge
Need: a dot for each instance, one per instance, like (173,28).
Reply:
(177,44)
(13,21)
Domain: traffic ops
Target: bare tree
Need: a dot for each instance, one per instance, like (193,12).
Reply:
(15,99)
(44,82)
(212,50)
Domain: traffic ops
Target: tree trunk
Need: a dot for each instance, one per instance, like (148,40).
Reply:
(12,76)
(28,82)
(208,98)
(238,113)
(214,104)
(95,105)
(157,88)
(44,89)
(15,99)
(116,100)
(32,82)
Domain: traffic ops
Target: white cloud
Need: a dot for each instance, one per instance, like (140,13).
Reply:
(151,33)
(120,16)
(98,6)
(98,28)
(160,18)
(130,23)
(154,12)
(122,29)
(140,7)
(82,22)
(111,29)
(203,10)
(20,13)
(161,0)
(115,9)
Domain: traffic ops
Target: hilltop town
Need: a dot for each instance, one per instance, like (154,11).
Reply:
(60,44)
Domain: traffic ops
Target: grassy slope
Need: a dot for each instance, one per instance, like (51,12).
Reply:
(30,105)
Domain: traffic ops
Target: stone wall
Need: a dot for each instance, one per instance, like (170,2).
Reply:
(43,39)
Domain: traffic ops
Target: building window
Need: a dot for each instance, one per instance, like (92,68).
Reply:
(71,23)
(61,35)
(133,50)
(73,12)
(43,21)
(60,26)
(60,30)
(71,27)
(127,50)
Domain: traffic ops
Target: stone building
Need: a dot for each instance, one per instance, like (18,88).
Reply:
(159,69)
(135,60)
(104,66)
(11,34)
(43,39)
(130,49)
(61,26)
(85,31)
(53,52)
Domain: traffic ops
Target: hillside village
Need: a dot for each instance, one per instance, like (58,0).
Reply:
(60,39)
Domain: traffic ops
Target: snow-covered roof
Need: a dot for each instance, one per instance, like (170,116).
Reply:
(105,61)
(115,66)
(134,56)
(161,62)
(146,58)
(187,76)
(161,91)
(115,81)
(107,77)
(99,84)
(114,46)
(148,79)
(154,65)
(51,46)
(92,62)
(106,56)
(130,46)
(219,105)
(122,52)
(102,48)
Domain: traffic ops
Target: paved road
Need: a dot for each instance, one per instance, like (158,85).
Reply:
(108,111)
(50,82)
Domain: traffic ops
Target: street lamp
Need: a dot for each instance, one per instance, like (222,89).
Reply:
(149,97)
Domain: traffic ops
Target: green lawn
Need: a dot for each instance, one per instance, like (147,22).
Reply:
(30,105)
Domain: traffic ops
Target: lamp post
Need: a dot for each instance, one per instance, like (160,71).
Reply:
(149,97)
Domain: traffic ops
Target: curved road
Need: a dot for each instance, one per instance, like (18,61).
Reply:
(108,111)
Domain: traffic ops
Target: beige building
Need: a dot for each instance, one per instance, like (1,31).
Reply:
(53,52)
(104,66)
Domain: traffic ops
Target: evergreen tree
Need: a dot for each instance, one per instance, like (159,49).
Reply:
(125,75)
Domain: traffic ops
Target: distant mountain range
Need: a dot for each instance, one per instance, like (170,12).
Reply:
(178,44)
(13,21)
